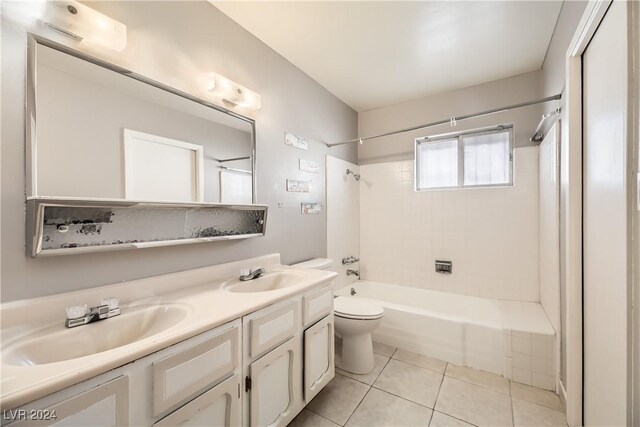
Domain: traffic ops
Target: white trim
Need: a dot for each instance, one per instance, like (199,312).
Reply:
(587,27)
(130,136)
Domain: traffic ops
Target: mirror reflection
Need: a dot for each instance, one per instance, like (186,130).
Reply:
(101,134)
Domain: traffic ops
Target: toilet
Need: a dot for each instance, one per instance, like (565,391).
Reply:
(355,319)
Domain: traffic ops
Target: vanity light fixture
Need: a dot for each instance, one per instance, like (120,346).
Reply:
(81,22)
(231,92)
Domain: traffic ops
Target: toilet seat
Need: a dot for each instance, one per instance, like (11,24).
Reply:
(354,308)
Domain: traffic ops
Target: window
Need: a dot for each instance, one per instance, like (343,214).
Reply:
(469,159)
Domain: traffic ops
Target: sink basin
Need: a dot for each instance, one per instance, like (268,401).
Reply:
(57,343)
(272,281)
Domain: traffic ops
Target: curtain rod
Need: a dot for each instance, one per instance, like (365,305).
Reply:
(451,120)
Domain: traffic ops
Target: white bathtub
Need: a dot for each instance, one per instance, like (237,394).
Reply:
(460,329)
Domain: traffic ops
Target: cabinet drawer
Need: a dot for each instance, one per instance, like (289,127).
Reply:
(219,406)
(106,405)
(270,329)
(180,376)
(316,305)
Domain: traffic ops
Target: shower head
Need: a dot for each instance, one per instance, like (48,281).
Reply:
(356,176)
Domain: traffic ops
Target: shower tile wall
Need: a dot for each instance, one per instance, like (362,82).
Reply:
(490,234)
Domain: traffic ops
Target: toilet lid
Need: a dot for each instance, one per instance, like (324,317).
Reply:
(356,308)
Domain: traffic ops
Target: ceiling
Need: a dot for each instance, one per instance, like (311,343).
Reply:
(372,54)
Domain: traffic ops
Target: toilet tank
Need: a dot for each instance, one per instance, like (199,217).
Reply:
(315,263)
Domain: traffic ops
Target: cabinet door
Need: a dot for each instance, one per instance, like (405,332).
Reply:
(319,366)
(276,385)
(218,407)
(106,405)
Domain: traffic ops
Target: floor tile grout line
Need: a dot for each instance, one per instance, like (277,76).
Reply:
(457,418)
(361,381)
(365,395)
(381,371)
(479,385)
(439,390)
(513,417)
(357,406)
(538,404)
(418,366)
(394,353)
(433,411)
(404,398)
(320,415)
(351,378)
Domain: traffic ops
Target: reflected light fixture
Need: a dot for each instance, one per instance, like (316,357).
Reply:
(81,22)
(231,92)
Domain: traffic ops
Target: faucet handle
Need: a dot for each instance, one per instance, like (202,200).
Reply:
(245,271)
(112,302)
(76,311)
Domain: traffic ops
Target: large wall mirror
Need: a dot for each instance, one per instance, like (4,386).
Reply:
(100,132)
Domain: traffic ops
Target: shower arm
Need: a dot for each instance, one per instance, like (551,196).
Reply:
(356,176)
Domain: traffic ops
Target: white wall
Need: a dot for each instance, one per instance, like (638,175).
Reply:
(525,87)
(553,67)
(490,234)
(343,217)
(177,43)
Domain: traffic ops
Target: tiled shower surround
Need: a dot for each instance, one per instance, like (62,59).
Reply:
(75,226)
(490,234)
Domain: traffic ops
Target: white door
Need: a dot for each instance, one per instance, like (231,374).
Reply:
(275,396)
(162,169)
(319,367)
(343,217)
(605,231)
(106,405)
(218,407)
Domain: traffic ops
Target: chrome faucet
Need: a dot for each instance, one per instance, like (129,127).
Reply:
(77,315)
(353,273)
(251,274)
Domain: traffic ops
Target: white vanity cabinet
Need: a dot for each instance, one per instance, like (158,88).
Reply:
(259,370)
(288,357)
(194,382)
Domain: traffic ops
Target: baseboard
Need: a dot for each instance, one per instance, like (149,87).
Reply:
(562,392)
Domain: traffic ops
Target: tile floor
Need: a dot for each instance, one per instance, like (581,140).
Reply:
(408,389)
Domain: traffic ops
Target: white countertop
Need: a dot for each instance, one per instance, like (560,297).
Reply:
(209,306)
